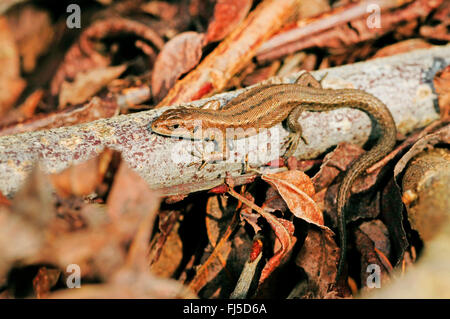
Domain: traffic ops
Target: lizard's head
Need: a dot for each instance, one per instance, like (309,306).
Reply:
(176,122)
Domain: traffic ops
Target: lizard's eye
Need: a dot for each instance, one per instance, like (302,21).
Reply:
(174,127)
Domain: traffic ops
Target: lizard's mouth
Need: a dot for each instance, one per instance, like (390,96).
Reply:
(156,127)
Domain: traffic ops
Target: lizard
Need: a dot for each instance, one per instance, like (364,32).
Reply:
(266,105)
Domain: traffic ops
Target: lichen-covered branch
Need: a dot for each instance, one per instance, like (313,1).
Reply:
(403,82)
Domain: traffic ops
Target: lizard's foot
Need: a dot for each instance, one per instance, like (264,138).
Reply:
(206,157)
(246,168)
(293,141)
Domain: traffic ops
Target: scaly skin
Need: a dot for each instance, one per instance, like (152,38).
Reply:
(267,105)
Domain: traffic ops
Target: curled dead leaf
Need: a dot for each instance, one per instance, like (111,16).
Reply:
(178,56)
(297,190)
(88,83)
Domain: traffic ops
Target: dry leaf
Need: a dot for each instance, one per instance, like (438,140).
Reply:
(297,190)
(170,252)
(88,84)
(218,217)
(130,194)
(84,178)
(45,279)
(284,230)
(369,256)
(33,32)
(334,163)
(227,15)
(11,84)
(319,257)
(178,56)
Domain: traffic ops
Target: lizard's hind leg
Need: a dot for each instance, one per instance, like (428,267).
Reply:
(307,80)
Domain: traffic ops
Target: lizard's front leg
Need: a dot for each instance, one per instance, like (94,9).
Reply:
(220,152)
(306,80)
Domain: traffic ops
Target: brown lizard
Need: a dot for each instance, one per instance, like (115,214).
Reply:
(266,105)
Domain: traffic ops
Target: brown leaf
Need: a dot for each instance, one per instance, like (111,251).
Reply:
(379,234)
(297,190)
(83,55)
(216,261)
(161,9)
(34,201)
(284,230)
(87,84)
(227,15)
(339,160)
(248,215)
(294,164)
(26,220)
(33,32)
(369,256)
(11,84)
(128,284)
(274,201)
(84,178)
(167,253)
(45,279)
(402,47)
(261,74)
(334,163)
(178,56)
(346,25)
(25,110)
(218,217)
(318,258)
(130,194)
(438,24)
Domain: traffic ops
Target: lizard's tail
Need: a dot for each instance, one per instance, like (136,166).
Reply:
(360,165)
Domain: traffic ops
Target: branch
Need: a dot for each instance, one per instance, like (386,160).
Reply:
(403,82)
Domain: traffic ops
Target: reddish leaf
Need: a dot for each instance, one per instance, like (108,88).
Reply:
(227,15)
(4,201)
(318,258)
(284,230)
(335,162)
(297,190)
(178,56)
(44,280)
